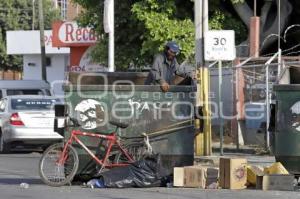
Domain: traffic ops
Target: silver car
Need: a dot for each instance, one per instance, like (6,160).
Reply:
(27,120)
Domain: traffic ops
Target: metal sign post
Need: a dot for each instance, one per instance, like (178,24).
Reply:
(42,42)
(220,45)
(267,107)
(220,108)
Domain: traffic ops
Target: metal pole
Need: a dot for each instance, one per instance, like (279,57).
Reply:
(199,33)
(220,108)
(279,48)
(111,45)
(279,21)
(198,11)
(205,16)
(237,79)
(268,63)
(279,63)
(255,5)
(42,42)
(206,89)
(267,108)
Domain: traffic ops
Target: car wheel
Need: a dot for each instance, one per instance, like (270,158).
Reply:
(4,147)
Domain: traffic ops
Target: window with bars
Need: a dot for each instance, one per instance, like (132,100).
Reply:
(62,5)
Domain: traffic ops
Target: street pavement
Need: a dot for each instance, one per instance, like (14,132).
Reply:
(23,168)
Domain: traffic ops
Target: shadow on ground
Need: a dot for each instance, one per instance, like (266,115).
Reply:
(16,181)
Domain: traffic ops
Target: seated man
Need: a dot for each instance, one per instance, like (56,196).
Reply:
(165,67)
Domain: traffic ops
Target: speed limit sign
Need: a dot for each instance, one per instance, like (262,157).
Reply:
(219,45)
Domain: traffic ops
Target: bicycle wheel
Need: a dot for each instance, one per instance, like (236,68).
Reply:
(54,174)
(135,150)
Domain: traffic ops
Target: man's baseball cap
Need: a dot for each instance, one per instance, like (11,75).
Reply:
(173,46)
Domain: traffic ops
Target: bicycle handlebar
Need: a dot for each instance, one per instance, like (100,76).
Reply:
(75,122)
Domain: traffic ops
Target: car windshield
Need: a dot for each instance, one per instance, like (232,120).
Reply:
(24,92)
(33,104)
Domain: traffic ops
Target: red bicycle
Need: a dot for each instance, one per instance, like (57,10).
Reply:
(59,163)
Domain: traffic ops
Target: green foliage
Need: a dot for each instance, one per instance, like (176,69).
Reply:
(162,25)
(225,21)
(50,14)
(128,32)
(142,27)
(17,15)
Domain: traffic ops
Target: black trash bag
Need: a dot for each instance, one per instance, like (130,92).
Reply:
(143,173)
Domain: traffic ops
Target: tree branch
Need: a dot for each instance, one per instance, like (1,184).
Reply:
(244,12)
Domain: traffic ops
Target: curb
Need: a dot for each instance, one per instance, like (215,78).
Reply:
(234,150)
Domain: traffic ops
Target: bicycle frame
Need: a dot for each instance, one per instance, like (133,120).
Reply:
(112,140)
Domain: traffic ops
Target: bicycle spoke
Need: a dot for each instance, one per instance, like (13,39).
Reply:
(56,170)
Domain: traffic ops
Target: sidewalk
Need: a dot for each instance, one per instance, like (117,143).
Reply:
(248,152)
(231,148)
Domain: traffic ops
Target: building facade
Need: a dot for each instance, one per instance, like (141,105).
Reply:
(68,9)
(27,44)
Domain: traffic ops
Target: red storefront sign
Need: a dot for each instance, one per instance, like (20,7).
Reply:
(67,34)
(79,39)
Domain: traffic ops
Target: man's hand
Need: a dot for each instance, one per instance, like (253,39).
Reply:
(164,86)
(194,75)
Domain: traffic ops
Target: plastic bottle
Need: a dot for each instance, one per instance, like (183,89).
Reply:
(95,183)
(169,185)
(24,185)
(213,186)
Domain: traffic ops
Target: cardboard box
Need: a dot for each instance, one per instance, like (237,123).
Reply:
(252,173)
(211,172)
(211,175)
(233,173)
(276,168)
(189,177)
(275,182)
(195,176)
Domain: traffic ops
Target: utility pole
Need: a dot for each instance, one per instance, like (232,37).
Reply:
(42,41)
(203,139)
(206,90)
(109,27)
(199,141)
(111,51)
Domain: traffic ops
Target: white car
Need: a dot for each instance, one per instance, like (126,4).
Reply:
(24,87)
(27,120)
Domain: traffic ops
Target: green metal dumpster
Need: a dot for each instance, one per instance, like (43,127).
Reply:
(287,126)
(167,116)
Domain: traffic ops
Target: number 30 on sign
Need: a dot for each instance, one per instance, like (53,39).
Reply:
(219,45)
